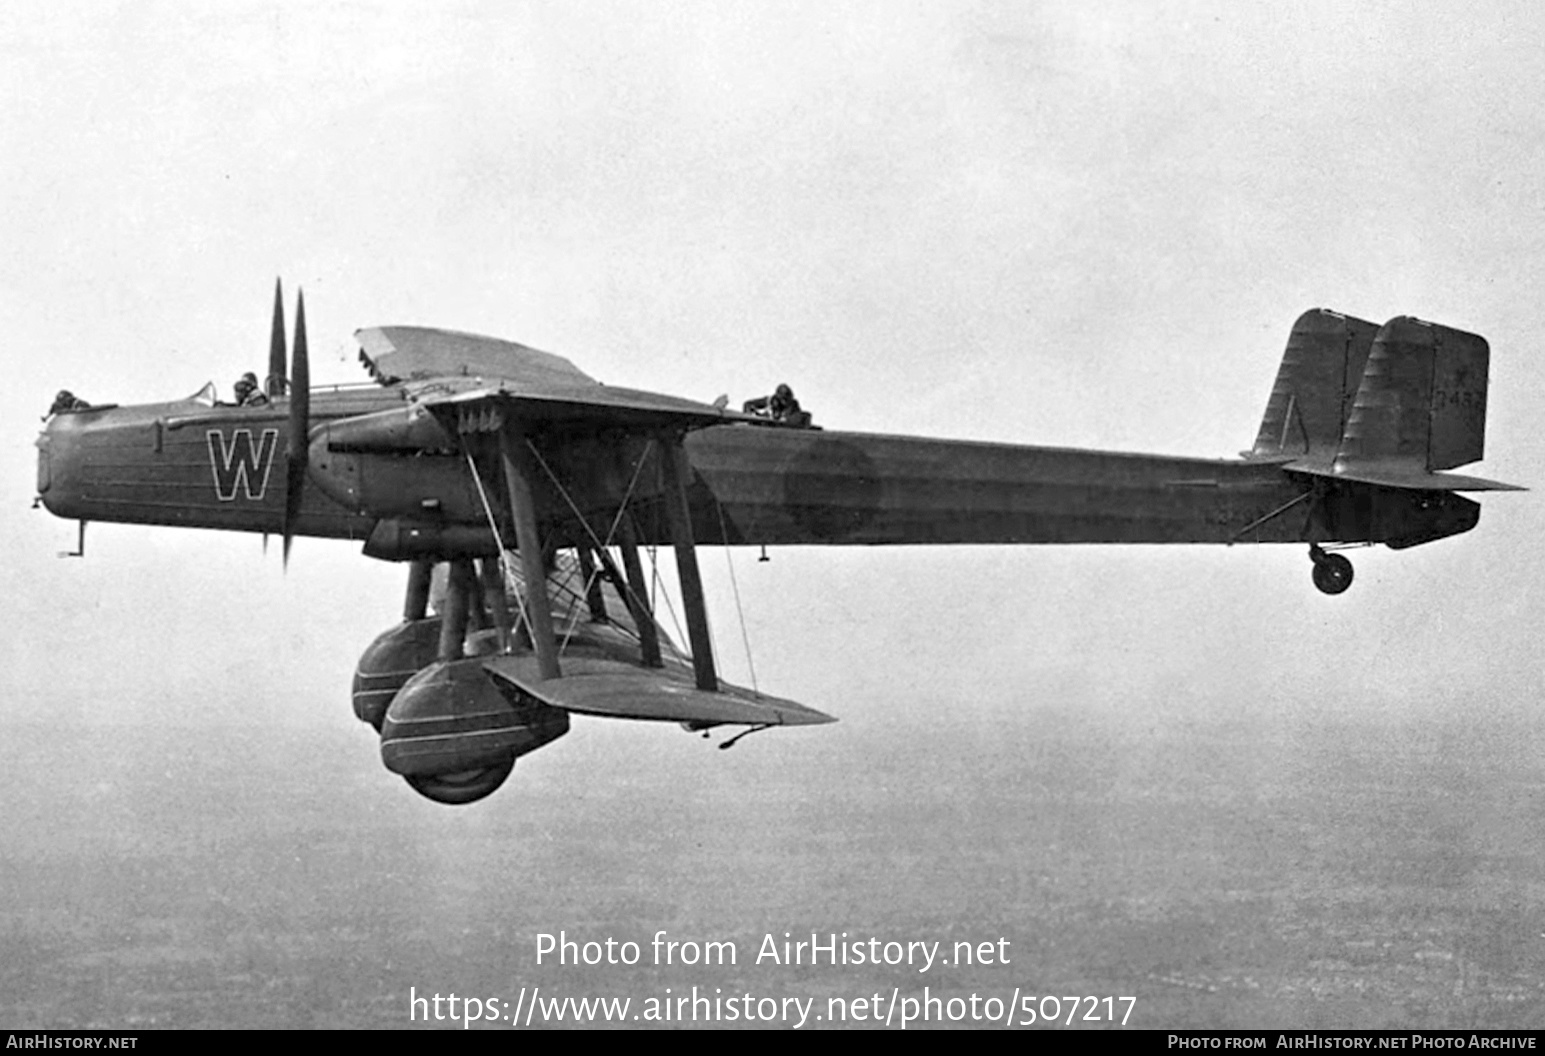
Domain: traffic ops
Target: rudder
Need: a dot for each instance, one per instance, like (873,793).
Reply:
(1421,401)
(1459,381)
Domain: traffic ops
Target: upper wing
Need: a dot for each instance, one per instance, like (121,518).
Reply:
(417,353)
(465,375)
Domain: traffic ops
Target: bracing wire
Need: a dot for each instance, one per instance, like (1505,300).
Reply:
(740,612)
(657,591)
(505,572)
(616,521)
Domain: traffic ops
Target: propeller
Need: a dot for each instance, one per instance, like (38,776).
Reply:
(298,446)
(274,384)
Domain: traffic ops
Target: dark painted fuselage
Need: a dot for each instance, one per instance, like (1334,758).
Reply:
(190,464)
(194,465)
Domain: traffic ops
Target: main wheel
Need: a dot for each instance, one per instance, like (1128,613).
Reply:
(467,786)
(1332,573)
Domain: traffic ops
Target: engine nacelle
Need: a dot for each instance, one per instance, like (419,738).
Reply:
(454,733)
(393,539)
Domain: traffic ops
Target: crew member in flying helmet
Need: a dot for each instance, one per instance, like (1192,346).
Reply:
(247,392)
(781,406)
(68,401)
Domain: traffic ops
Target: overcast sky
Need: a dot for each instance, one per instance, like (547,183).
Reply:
(1077,224)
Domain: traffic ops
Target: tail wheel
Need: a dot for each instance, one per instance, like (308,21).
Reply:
(467,786)
(1332,573)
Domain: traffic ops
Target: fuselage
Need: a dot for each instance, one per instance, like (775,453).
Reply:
(198,464)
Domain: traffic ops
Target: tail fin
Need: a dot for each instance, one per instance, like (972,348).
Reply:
(1417,405)
(1422,400)
(1316,384)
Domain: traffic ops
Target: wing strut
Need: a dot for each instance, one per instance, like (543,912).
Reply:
(637,592)
(517,474)
(634,589)
(678,519)
(492,576)
(521,460)
(593,597)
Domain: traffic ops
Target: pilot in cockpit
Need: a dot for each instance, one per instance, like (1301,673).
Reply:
(247,392)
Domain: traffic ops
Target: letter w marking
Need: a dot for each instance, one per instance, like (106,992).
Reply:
(240,465)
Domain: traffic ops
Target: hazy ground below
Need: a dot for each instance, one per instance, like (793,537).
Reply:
(1264,871)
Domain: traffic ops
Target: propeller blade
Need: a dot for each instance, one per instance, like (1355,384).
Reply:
(298,446)
(274,384)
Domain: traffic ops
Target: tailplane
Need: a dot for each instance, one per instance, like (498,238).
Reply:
(1391,405)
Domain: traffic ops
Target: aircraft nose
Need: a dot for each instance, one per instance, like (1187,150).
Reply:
(58,466)
(55,465)
(43,475)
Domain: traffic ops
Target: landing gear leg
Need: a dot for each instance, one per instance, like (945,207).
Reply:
(1332,572)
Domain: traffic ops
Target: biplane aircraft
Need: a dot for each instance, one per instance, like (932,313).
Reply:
(532,487)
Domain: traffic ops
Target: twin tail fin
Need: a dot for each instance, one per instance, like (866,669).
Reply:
(1392,405)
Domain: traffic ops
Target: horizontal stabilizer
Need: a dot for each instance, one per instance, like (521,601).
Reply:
(611,688)
(1402,475)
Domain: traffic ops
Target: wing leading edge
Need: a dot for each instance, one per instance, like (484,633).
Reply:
(449,372)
